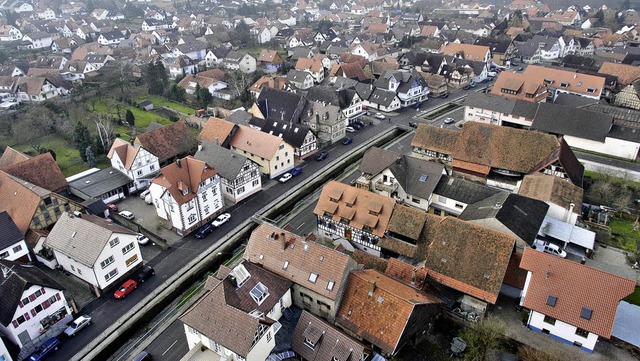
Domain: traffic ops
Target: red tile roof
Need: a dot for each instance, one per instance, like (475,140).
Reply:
(167,142)
(575,286)
(41,170)
(125,151)
(185,174)
(11,156)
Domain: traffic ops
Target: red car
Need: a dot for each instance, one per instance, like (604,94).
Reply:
(125,289)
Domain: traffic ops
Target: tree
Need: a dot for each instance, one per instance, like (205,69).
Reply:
(82,139)
(482,337)
(90,157)
(105,133)
(156,77)
(203,96)
(131,119)
(176,93)
(33,126)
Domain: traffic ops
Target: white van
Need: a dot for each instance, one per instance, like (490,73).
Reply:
(549,247)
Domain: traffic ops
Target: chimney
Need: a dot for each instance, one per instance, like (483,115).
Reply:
(413,276)
(283,241)
(498,205)
(178,163)
(571,206)
(217,141)
(372,287)
(6,271)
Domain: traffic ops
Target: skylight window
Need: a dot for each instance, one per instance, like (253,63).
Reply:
(423,178)
(330,285)
(285,265)
(259,293)
(586,313)
(313,277)
(551,301)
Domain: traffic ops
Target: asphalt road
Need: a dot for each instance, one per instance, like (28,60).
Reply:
(106,309)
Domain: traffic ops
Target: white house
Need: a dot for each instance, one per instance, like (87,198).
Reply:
(111,38)
(12,244)
(135,162)
(33,305)
(46,13)
(571,302)
(9,33)
(263,35)
(187,193)
(240,61)
(4,353)
(237,319)
(240,177)
(38,40)
(94,250)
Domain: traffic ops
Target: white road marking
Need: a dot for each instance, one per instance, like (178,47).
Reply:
(167,350)
(301,224)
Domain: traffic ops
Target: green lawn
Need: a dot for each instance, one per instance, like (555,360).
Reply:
(622,234)
(142,117)
(162,102)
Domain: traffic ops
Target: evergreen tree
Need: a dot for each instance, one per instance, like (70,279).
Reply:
(130,118)
(203,96)
(90,157)
(82,139)
(176,93)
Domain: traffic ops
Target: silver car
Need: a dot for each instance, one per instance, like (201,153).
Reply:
(77,324)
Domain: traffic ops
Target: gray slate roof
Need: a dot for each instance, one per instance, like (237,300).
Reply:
(82,239)
(375,160)
(463,190)
(625,324)
(561,120)
(417,176)
(15,282)
(501,104)
(227,162)
(521,215)
(98,183)
(9,232)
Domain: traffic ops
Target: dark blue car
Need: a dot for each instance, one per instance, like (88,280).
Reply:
(45,349)
(322,156)
(204,231)
(347,140)
(296,171)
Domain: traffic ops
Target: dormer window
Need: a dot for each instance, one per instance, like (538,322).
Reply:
(241,274)
(259,293)
(564,84)
(591,89)
(185,191)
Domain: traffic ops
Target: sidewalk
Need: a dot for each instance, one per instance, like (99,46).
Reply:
(604,351)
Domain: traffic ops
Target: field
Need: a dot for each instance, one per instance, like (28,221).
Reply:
(622,234)
(162,102)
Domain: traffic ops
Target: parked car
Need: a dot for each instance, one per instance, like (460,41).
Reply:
(148,199)
(285,177)
(379,116)
(296,171)
(144,194)
(350,129)
(77,325)
(473,84)
(359,122)
(548,247)
(112,207)
(449,120)
(127,215)
(204,231)
(144,273)
(127,287)
(466,87)
(143,356)
(444,96)
(347,140)
(142,239)
(413,124)
(221,219)
(520,69)
(322,156)
(45,349)
(356,126)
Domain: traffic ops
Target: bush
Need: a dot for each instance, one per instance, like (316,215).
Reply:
(526,353)
(173,118)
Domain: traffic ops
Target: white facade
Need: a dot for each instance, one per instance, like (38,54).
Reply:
(10,34)
(611,146)
(281,162)
(486,116)
(187,216)
(447,205)
(561,213)
(104,41)
(15,251)
(141,170)
(387,179)
(259,351)
(47,91)
(37,304)
(119,255)
(38,43)
(246,183)
(359,50)
(4,353)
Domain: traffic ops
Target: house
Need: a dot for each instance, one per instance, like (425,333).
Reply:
(626,74)
(302,80)
(503,156)
(12,241)
(275,82)
(537,83)
(499,110)
(187,194)
(239,176)
(270,152)
(404,178)
(243,62)
(319,274)
(237,318)
(629,96)
(299,136)
(215,56)
(410,87)
(377,98)
(109,185)
(194,49)
(38,89)
(167,142)
(270,60)
(182,66)
(383,311)
(37,40)
(502,49)
(274,104)
(366,49)
(345,98)
(325,118)
(311,66)
(31,206)
(33,305)
(316,340)
(564,198)
(98,252)
(111,38)
(353,214)
(135,162)
(9,33)
(468,52)
(452,195)
(512,214)
(571,302)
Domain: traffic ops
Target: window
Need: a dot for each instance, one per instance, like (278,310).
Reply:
(550,320)
(551,301)
(4,254)
(269,336)
(25,300)
(591,90)
(459,206)
(106,262)
(152,167)
(128,248)
(131,260)
(204,196)
(442,199)
(192,218)
(330,285)
(313,277)
(423,178)
(581,332)
(564,84)
(111,274)
(285,265)
(281,146)
(17,248)
(586,313)
(139,172)
(310,344)
(114,242)
(259,293)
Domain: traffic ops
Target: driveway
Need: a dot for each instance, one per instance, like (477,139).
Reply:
(153,226)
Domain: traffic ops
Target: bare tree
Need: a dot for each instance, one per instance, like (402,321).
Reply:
(33,126)
(105,132)
(239,81)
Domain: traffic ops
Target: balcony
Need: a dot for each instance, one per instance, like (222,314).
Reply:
(386,186)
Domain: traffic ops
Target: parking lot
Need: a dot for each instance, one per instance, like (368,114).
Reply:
(147,222)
